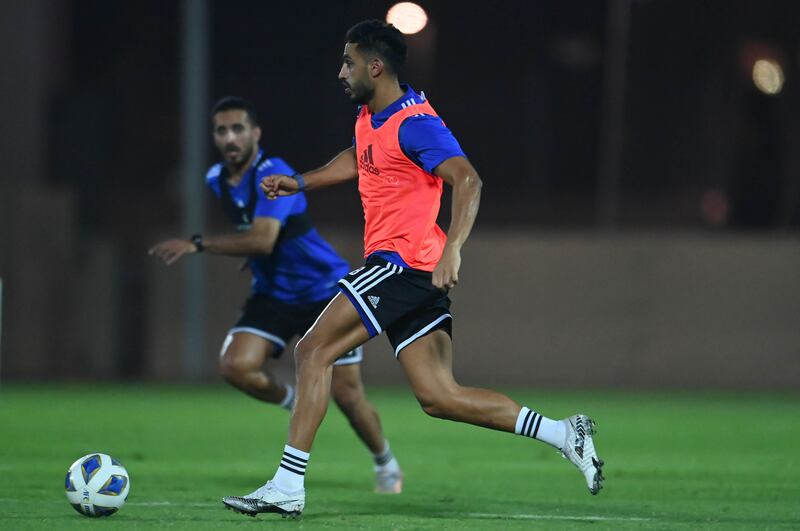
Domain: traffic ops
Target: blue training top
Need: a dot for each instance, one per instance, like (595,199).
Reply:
(302,267)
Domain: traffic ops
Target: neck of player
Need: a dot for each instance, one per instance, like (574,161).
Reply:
(235,173)
(385,94)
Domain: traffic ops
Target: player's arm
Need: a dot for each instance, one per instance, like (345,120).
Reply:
(259,239)
(342,168)
(462,176)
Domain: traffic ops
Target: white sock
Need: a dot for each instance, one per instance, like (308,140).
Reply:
(291,473)
(536,426)
(288,400)
(385,459)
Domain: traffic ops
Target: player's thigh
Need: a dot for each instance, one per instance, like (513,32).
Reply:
(428,364)
(337,330)
(245,351)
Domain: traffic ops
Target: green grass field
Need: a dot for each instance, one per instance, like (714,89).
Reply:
(673,461)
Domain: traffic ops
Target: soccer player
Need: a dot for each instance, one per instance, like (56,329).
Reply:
(403,153)
(294,277)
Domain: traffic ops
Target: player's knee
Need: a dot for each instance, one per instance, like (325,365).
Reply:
(436,403)
(309,351)
(234,369)
(303,350)
(435,409)
(228,369)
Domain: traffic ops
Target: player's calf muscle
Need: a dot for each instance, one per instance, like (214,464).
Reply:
(347,394)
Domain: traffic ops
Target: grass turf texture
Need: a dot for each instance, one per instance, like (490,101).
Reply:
(673,461)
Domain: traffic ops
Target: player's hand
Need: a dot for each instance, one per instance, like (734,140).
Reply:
(277,185)
(445,276)
(171,250)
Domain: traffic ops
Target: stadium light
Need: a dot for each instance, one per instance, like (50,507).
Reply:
(408,17)
(768,76)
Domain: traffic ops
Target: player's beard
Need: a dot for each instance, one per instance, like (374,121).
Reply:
(242,159)
(360,94)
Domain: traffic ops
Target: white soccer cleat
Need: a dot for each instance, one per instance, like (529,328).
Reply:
(388,480)
(268,499)
(579,449)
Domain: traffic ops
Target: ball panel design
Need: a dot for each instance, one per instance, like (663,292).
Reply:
(90,467)
(99,510)
(70,485)
(97,485)
(114,486)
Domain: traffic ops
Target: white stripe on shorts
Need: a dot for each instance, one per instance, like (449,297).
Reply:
(260,333)
(361,303)
(357,357)
(368,275)
(392,270)
(421,333)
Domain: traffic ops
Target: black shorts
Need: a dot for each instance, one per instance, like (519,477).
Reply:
(279,322)
(402,301)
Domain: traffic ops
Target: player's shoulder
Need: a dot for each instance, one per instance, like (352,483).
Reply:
(214,172)
(425,114)
(272,165)
(422,124)
(425,119)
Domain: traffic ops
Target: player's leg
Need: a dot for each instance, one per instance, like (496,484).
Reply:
(347,390)
(242,363)
(428,364)
(260,334)
(337,330)
(348,393)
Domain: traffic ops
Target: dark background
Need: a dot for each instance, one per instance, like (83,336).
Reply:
(92,124)
(520,84)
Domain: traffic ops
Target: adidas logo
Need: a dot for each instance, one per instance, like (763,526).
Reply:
(373,300)
(366,162)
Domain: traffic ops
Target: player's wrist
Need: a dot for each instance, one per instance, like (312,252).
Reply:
(453,247)
(301,182)
(197,240)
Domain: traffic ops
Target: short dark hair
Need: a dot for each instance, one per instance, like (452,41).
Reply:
(235,103)
(382,39)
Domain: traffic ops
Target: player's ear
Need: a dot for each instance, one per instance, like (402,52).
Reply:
(376,66)
(257,133)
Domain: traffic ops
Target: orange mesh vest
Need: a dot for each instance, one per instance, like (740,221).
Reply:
(400,199)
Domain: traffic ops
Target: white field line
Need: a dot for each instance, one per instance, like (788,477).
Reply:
(499,516)
(551,517)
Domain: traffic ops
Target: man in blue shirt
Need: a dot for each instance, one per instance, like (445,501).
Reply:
(295,274)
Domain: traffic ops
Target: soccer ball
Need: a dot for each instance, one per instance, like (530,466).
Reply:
(97,485)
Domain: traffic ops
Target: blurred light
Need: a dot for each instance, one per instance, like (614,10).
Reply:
(576,52)
(408,17)
(715,207)
(768,76)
